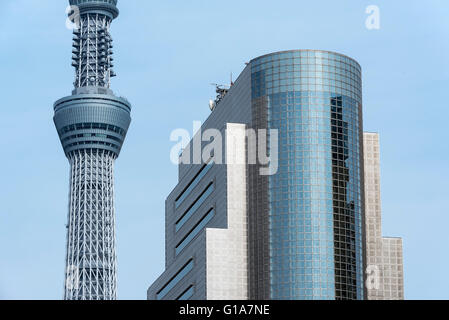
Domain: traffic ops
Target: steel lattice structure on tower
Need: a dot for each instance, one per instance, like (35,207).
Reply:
(92,124)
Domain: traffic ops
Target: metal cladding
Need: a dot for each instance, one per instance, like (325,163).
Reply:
(105,7)
(92,121)
(92,124)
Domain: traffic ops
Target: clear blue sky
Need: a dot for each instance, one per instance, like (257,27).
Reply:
(167,54)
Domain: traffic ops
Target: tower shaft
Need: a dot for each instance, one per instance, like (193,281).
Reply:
(92,124)
(91,260)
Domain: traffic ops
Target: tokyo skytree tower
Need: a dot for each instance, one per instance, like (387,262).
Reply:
(92,125)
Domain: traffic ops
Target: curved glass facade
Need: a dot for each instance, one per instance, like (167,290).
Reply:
(314,208)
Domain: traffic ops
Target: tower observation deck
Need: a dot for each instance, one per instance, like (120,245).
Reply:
(92,124)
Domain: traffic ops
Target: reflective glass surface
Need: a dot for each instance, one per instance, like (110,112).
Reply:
(194,232)
(187,294)
(315,208)
(184,194)
(198,202)
(175,280)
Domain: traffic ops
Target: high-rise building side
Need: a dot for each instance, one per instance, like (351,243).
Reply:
(288,229)
(384,256)
(206,214)
(92,124)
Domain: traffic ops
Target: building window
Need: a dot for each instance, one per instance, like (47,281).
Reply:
(185,193)
(192,234)
(198,202)
(187,294)
(175,280)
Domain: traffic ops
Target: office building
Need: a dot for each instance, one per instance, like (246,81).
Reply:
(290,228)
(385,278)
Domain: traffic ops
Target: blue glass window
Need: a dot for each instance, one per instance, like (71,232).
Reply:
(175,280)
(192,234)
(314,209)
(198,202)
(184,194)
(187,294)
